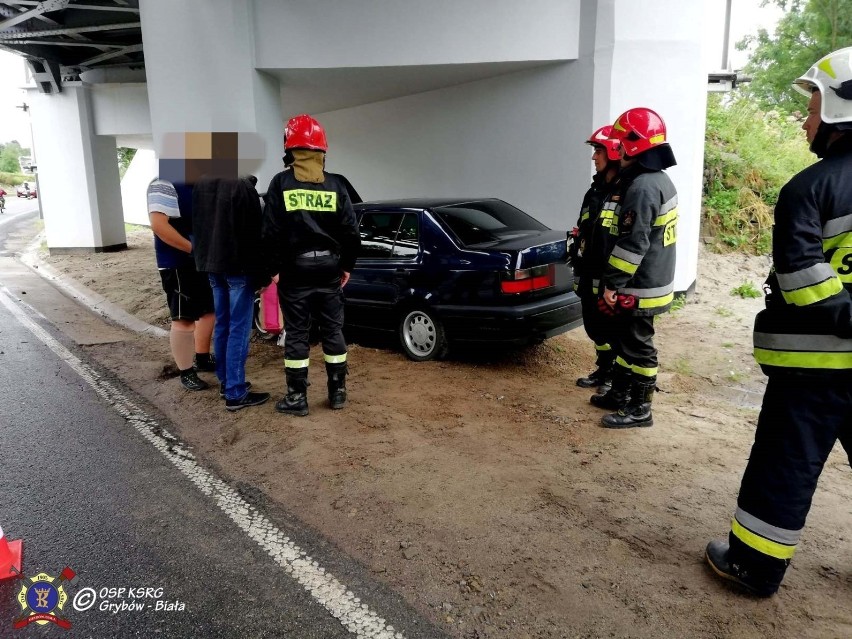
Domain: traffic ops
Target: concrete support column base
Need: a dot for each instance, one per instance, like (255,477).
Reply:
(85,250)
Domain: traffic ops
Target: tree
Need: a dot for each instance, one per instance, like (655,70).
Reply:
(125,157)
(9,154)
(808,30)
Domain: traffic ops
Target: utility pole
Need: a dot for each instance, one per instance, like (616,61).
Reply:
(33,163)
(726,45)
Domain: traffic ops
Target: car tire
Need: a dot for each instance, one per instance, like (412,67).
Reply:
(422,335)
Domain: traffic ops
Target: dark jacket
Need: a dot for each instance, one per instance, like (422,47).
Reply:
(226,224)
(642,262)
(303,216)
(806,328)
(594,241)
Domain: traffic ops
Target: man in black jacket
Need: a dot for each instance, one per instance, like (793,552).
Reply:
(802,341)
(226,230)
(310,238)
(591,247)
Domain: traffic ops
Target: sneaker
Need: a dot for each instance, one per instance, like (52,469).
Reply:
(251,399)
(222,388)
(205,362)
(191,381)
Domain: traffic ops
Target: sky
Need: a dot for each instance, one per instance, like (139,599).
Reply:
(746,18)
(14,123)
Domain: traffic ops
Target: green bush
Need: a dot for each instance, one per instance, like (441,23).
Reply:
(14,179)
(749,155)
(746,290)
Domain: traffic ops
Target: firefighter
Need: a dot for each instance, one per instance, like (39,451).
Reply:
(592,243)
(803,342)
(638,280)
(310,238)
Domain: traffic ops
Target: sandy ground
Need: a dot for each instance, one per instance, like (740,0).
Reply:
(483,489)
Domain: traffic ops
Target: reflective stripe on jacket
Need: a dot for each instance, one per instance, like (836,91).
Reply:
(806,328)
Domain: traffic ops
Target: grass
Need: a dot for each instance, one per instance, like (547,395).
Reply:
(736,376)
(678,303)
(747,290)
(724,312)
(749,155)
(129,228)
(683,366)
(728,345)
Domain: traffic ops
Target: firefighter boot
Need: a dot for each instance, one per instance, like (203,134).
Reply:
(601,378)
(295,402)
(763,583)
(619,392)
(637,412)
(336,385)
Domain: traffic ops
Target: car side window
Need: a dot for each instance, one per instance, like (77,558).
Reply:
(378,232)
(408,237)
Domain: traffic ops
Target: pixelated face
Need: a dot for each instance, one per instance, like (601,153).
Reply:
(186,157)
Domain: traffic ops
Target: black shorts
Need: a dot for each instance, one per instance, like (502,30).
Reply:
(188,293)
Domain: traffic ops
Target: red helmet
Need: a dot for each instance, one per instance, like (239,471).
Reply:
(603,137)
(303,132)
(638,130)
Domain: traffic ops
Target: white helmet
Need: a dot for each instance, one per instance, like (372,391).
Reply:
(832,76)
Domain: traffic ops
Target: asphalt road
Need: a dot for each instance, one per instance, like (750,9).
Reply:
(83,486)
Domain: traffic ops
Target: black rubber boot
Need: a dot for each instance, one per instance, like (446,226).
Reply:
(295,402)
(719,557)
(617,396)
(637,412)
(601,378)
(336,385)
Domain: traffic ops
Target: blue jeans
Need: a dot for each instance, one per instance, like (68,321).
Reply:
(233,299)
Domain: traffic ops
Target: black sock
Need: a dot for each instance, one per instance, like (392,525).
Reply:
(202,359)
(187,372)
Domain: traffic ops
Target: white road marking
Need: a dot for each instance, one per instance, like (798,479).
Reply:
(328,591)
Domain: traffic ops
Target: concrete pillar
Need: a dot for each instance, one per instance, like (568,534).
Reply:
(651,54)
(200,62)
(78,173)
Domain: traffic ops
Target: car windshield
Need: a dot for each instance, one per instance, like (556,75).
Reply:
(487,221)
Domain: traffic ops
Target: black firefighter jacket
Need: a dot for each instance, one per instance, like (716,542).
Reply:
(302,216)
(806,328)
(594,240)
(642,261)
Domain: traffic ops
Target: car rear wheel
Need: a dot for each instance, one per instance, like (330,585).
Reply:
(422,336)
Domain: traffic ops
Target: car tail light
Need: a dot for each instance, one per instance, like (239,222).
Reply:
(529,279)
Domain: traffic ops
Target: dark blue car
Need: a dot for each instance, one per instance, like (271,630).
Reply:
(437,272)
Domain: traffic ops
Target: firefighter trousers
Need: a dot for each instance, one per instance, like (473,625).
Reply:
(301,304)
(599,328)
(632,340)
(799,423)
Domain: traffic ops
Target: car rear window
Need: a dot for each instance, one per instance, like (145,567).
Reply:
(486,221)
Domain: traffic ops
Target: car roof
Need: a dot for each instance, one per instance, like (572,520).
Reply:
(418,203)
